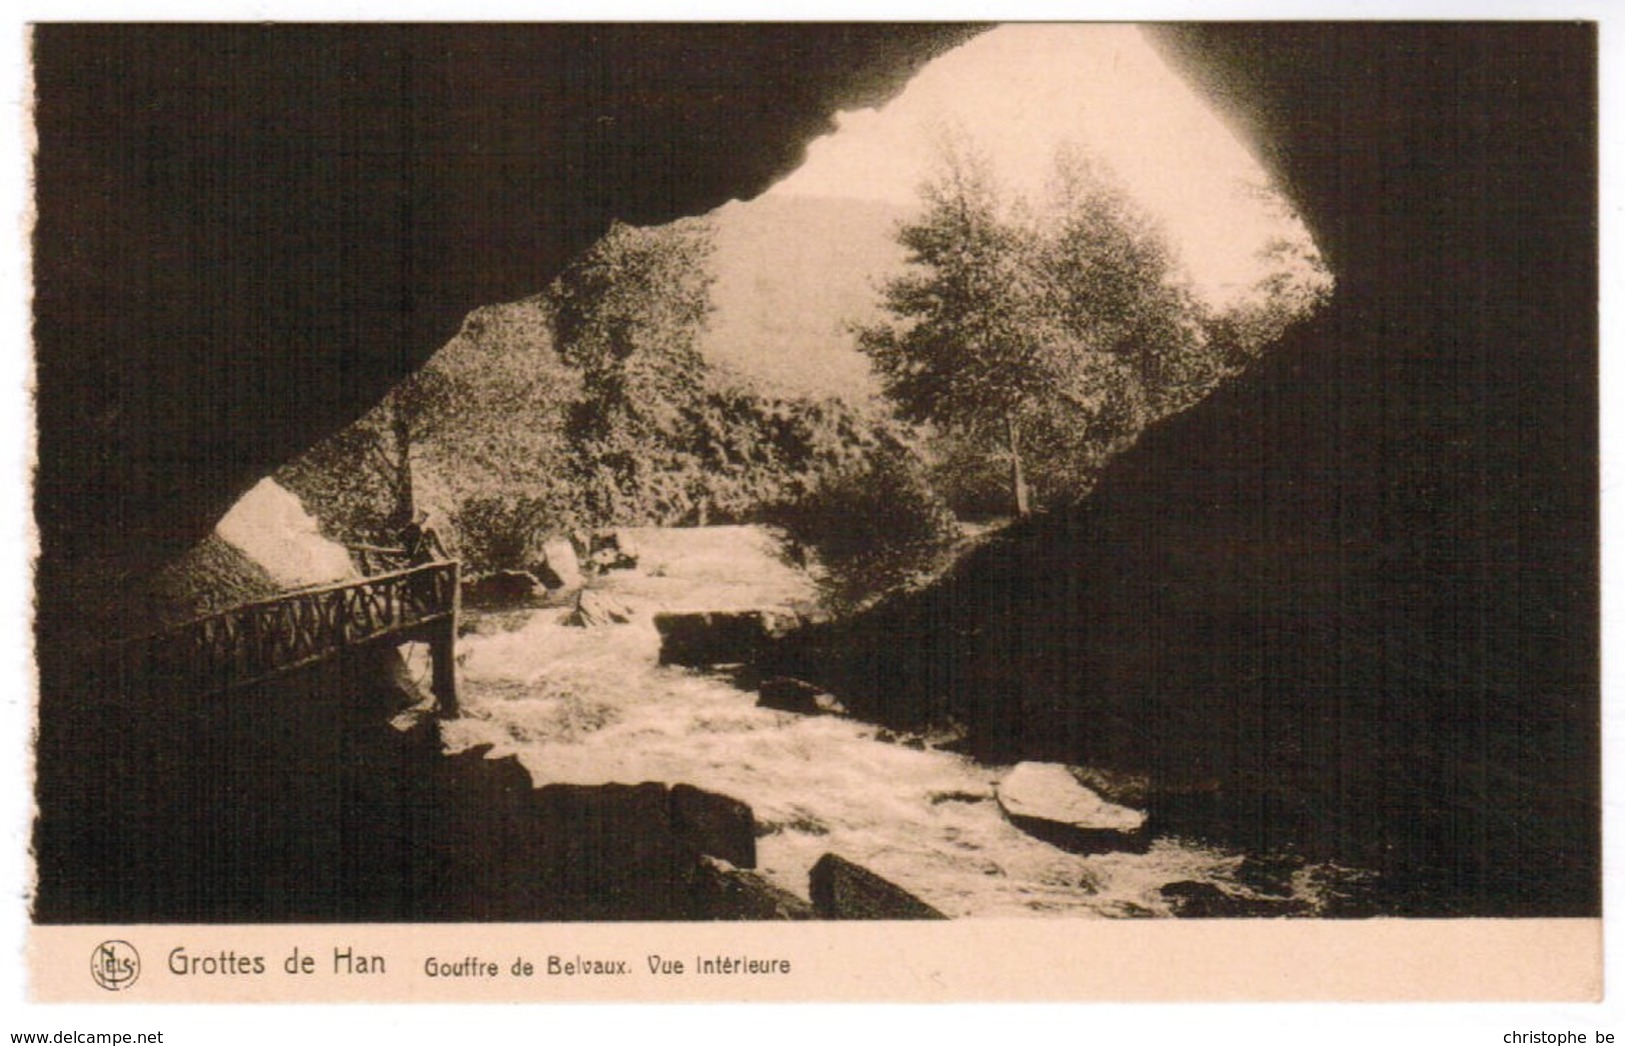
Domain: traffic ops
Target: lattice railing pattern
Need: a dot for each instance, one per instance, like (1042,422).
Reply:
(255,641)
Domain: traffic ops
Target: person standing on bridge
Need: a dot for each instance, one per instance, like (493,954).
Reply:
(419,541)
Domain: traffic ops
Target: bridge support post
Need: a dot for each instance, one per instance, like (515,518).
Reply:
(443,651)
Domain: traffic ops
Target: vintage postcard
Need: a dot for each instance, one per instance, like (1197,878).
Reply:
(815,511)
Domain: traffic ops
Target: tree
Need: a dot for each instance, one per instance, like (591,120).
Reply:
(481,420)
(363,482)
(961,349)
(628,315)
(1118,291)
(1058,333)
(414,407)
(1294,285)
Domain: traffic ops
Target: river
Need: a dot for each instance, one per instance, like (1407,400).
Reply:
(592,706)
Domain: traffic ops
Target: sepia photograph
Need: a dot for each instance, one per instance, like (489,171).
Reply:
(1050,474)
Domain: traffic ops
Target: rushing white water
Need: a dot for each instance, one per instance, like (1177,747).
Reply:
(591,706)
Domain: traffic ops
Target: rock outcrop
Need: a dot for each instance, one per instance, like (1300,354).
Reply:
(613,550)
(714,825)
(843,890)
(502,589)
(787,694)
(1047,801)
(722,638)
(270,526)
(558,567)
(595,609)
(719,891)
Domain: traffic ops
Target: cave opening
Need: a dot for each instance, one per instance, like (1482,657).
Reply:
(1354,592)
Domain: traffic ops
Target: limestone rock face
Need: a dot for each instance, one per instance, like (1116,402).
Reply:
(270,526)
(1046,800)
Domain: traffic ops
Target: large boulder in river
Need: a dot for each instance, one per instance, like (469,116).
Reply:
(613,550)
(594,609)
(559,567)
(1046,800)
(787,694)
(502,588)
(713,824)
(726,637)
(843,890)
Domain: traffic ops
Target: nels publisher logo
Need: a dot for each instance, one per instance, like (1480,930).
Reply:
(115,965)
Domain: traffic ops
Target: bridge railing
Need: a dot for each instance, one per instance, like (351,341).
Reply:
(253,642)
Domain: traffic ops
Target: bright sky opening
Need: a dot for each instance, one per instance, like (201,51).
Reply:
(1019,91)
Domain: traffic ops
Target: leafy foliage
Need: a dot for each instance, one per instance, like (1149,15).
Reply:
(658,436)
(875,523)
(501,428)
(344,484)
(761,450)
(961,350)
(496,531)
(481,419)
(1117,296)
(591,406)
(1295,284)
(1051,337)
(1022,346)
(628,315)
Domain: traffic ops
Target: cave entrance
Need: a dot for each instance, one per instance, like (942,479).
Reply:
(956,311)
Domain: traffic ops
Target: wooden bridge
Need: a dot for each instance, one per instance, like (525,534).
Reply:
(255,642)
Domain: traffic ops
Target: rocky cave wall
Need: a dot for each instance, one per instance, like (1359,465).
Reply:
(1372,566)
